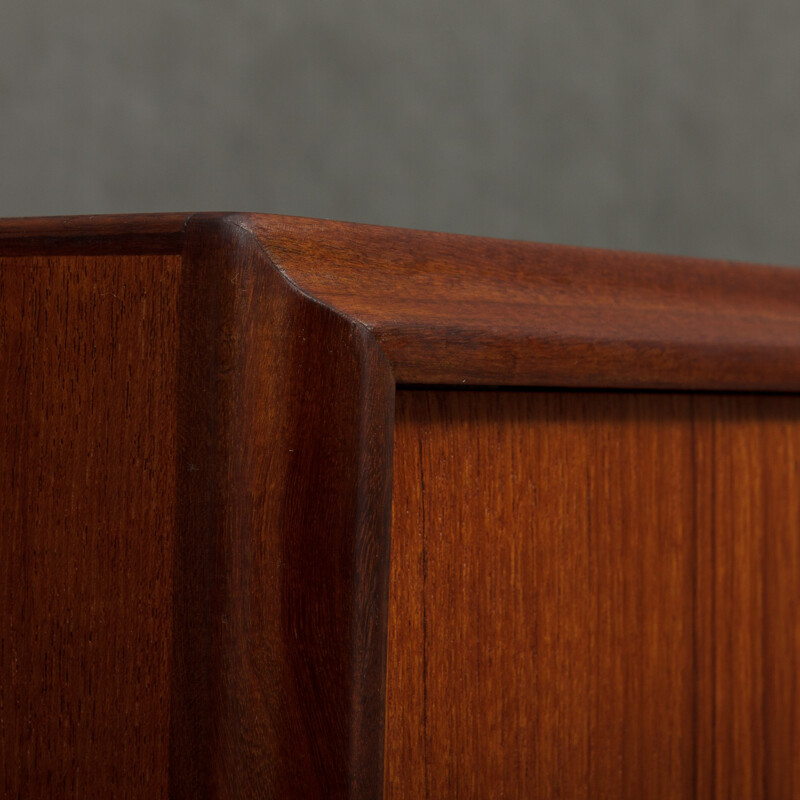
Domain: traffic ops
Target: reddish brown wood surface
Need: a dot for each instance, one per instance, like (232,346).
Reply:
(196,465)
(196,459)
(130,234)
(461,309)
(87,506)
(467,310)
(594,595)
(285,422)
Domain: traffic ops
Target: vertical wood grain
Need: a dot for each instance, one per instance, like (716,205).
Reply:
(87,452)
(594,595)
(748,450)
(282,555)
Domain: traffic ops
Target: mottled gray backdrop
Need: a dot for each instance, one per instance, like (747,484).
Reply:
(670,127)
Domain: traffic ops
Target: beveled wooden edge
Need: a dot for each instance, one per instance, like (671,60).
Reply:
(465,310)
(281,566)
(109,234)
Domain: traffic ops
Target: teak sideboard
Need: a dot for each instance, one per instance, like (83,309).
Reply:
(304,509)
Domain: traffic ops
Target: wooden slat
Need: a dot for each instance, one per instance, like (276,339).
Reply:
(594,595)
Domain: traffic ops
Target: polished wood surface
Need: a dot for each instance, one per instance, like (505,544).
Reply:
(196,454)
(451,309)
(594,595)
(119,234)
(196,464)
(458,310)
(285,423)
(87,507)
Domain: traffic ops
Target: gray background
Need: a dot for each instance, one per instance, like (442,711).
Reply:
(671,127)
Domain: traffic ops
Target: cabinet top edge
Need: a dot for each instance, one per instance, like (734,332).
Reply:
(465,310)
(454,309)
(95,234)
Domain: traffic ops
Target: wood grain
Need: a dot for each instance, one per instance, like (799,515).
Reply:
(282,562)
(196,470)
(448,309)
(465,310)
(196,419)
(594,595)
(87,470)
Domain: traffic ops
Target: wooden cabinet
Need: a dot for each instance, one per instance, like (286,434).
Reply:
(294,508)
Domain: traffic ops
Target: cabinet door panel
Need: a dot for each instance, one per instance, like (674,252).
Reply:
(594,594)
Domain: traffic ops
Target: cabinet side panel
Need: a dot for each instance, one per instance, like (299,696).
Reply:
(594,595)
(87,492)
